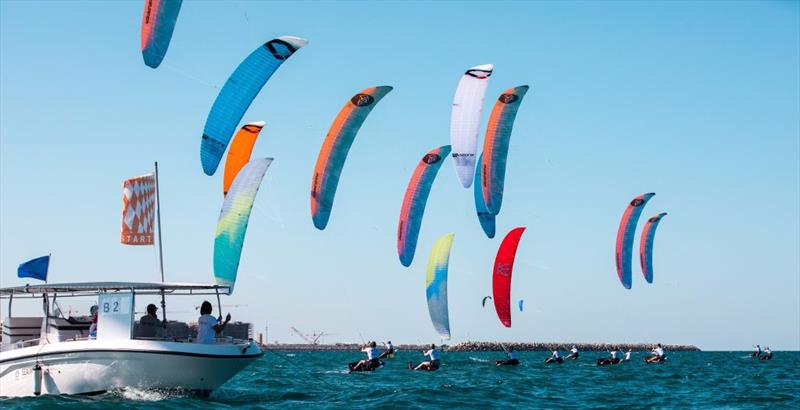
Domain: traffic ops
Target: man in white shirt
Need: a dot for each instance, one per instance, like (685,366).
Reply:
(389,352)
(614,357)
(555,357)
(657,355)
(659,351)
(372,361)
(430,365)
(573,353)
(628,354)
(756,352)
(208,326)
(767,354)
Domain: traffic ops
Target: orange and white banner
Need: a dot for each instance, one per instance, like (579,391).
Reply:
(138,210)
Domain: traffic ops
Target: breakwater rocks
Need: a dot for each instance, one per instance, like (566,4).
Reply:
(549,347)
(487,347)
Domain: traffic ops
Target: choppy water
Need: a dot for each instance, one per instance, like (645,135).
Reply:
(470,380)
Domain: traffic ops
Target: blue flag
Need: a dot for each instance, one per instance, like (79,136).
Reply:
(35,268)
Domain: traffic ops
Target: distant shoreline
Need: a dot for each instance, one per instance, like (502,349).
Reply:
(487,347)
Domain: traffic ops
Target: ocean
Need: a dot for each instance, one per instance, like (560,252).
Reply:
(471,381)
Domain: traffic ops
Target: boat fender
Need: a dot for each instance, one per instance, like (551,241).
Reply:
(37,379)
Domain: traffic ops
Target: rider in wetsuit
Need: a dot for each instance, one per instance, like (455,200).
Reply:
(573,353)
(556,357)
(614,356)
(628,355)
(372,362)
(435,360)
(657,356)
(512,359)
(388,352)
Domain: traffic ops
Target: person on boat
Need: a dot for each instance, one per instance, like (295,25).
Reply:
(208,326)
(573,353)
(372,361)
(434,356)
(511,358)
(555,357)
(767,354)
(388,352)
(149,324)
(756,352)
(628,355)
(657,356)
(93,327)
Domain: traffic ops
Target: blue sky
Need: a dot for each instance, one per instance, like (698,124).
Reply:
(698,102)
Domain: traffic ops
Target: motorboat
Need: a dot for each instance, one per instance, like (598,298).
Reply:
(61,354)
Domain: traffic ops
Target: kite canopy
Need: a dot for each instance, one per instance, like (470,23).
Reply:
(485,217)
(646,246)
(233,219)
(624,244)
(495,146)
(465,118)
(239,153)
(483,302)
(501,276)
(413,208)
(436,285)
(238,93)
(334,151)
(158,23)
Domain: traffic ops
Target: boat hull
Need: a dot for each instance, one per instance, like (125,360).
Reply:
(91,366)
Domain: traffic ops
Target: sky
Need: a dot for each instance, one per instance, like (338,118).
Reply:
(698,102)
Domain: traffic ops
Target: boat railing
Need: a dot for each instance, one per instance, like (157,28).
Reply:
(217,340)
(34,342)
(19,344)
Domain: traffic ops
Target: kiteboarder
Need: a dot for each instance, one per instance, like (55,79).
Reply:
(389,352)
(430,365)
(370,363)
(511,360)
(657,355)
(555,357)
(767,354)
(612,359)
(573,353)
(628,355)
(756,352)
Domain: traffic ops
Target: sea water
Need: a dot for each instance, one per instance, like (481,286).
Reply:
(471,380)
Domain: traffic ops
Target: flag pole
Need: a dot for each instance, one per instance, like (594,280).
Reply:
(47,273)
(160,250)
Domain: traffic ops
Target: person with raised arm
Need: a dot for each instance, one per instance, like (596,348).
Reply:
(208,327)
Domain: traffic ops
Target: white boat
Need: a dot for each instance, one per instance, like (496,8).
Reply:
(57,355)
